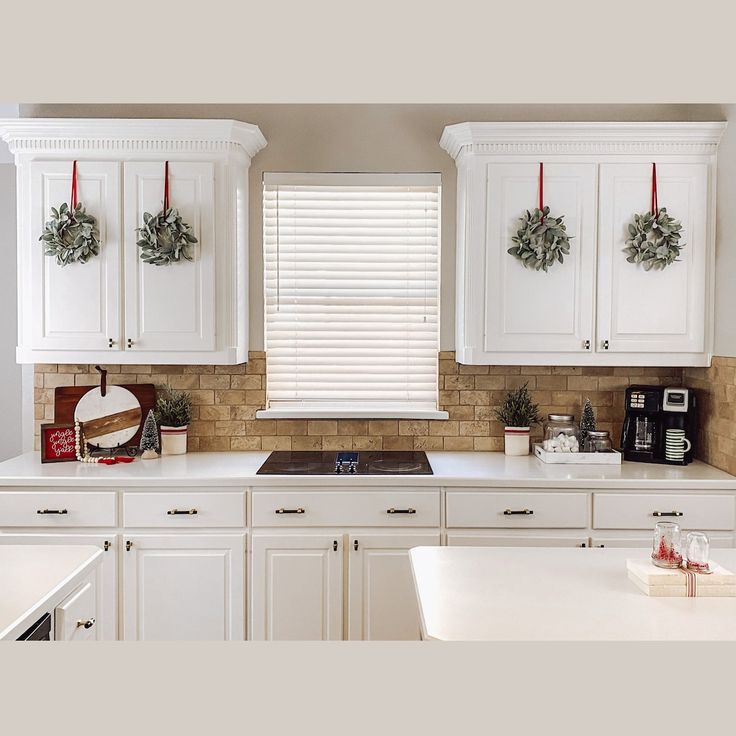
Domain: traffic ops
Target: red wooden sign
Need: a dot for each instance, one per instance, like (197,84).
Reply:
(58,443)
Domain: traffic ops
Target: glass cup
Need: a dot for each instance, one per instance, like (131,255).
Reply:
(697,552)
(666,545)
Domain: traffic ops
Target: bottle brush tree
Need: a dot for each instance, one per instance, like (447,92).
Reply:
(149,437)
(587,421)
(173,408)
(518,409)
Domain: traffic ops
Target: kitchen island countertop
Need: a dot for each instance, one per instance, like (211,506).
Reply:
(543,594)
(451,469)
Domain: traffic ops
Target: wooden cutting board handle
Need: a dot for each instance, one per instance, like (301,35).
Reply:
(103,379)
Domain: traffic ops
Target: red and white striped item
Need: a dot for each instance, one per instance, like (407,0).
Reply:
(680,582)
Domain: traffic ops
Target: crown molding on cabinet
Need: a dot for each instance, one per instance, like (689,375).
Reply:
(46,135)
(581,138)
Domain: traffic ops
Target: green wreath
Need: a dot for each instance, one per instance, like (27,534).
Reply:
(541,240)
(165,238)
(654,240)
(72,236)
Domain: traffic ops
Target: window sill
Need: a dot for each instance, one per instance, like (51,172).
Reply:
(311,413)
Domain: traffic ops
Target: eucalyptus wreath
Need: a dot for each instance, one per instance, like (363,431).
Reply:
(541,240)
(654,240)
(165,238)
(72,236)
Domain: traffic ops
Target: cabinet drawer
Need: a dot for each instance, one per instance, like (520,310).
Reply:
(517,510)
(57,509)
(75,618)
(643,511)
(175,510)
(355,508)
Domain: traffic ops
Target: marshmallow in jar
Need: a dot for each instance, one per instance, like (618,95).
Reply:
(561,434)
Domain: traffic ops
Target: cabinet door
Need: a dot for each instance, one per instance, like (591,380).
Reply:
(107,590)
(652,311)
(297,587)
(77,306)
(76,617)
(183,587)
(382,601)
(485,539)
(170,307)
(534,311)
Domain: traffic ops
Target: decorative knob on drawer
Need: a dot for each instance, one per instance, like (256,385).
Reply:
(88,624)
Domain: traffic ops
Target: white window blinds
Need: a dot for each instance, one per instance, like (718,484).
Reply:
(351,294)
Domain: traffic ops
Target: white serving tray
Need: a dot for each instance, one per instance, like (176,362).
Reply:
(577,458)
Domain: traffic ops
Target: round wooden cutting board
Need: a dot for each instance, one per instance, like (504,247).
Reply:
(109,420)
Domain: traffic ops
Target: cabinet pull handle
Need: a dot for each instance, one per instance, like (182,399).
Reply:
(600,545)
(130,343)
(178,512)
(667,513)
(107,545)
(51,511)
(290,511)
(110,342)
(128,545)
(586,344)
(334,546)
(604,344)
(511,512)
(583,544)
(355,545)
(401,511)
(88,624)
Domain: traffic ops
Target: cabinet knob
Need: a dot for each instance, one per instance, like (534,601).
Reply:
(355,545)
(334,546)
(110,342)
(604,344)
(586,344)
(128,546)
(88,624)
(130,343)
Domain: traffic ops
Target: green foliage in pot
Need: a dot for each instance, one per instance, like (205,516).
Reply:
(518,409)
(173,408)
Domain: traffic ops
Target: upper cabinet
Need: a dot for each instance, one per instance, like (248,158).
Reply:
(116,308)
(595,308)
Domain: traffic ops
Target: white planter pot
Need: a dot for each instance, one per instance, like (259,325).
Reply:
(516,440)
(174,440)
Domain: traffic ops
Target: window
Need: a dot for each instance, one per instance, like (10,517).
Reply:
(351,294)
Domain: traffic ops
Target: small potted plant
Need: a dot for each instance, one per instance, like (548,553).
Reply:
(518,413)
(173,413)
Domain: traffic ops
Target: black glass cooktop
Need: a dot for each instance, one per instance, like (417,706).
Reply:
(371,462)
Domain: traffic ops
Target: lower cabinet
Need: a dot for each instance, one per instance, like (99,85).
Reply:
(75,618)
(106,598)
(490,539)
(382,603)
(299,589)
(183,587)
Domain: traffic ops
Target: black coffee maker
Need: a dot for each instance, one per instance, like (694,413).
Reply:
(660,425)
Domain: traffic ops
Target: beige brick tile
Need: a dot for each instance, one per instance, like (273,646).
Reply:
(305,442)
(255,397)
(475,397)
(201,429)
(414,427)
(86,379)
(448,398)
(172,370)
(504,370)
(38,380)
(256,354)
(458,443)
(447,355)
(513,382)
(202,396)
(48,412)
(229,428)
(459,383)
(230,370)
(213,413)
(383,427)
(582,383)
(261,427)
(461,412)
(322,426)
(448,367)
(337,442)
(70,368)
(484,413)
(352,426)
(291,427)
(200,370)
(429,443)
(213,381)
(247,413)
(367,443)
(256,366)
(193,444)
(121,379)
(443,428)
(39,411)
(473,370)
(484,444)
(567,371)
(475,429)
(247,382)
(214,444)
(228,396)
(398,443)
(185,382)
(613,383)
(46,368)
(52,380)
(490,382)
(552,382)
(535,370)
(246,443)
(270,442)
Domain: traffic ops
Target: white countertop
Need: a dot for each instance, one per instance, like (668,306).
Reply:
(542,594)
(34,579)
(476,469)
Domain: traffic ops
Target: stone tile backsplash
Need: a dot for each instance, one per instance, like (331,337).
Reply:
(226,399)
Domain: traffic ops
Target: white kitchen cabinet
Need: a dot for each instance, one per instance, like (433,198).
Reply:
(75,307)
(106,592)
(382,602)
(115,308)
(595,308)
(529,310)
(75,618)
(183,587)
(651,311)
(297,587)
(170,307)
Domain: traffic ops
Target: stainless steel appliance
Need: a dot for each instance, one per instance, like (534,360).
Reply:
(660,425)
(373,462)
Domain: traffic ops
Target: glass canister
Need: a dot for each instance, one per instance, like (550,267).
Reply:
(666,545)
(597,441)
(561,434)
(697,552)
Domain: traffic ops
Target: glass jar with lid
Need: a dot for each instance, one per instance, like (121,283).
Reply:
(561,434)
(597,441)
